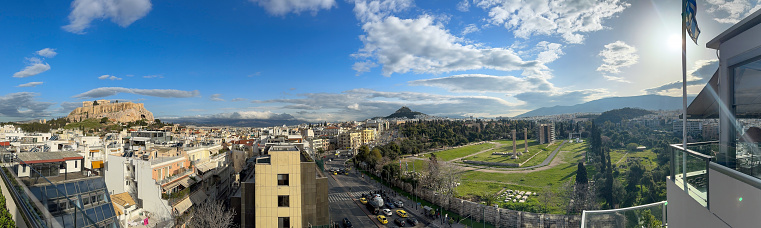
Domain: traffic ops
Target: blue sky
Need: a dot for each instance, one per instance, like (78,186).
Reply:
(333,60)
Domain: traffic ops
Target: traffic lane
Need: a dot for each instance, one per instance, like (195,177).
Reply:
(359,185)
(349,208)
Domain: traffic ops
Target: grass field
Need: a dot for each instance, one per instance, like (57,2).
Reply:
(541,151)
(530,181)
(461,152)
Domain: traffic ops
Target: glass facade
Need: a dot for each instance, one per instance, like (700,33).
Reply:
(90,194)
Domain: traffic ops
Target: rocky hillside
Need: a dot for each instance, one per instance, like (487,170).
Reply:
(115,112)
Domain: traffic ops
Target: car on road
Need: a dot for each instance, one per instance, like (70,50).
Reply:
(363,200)
(399,221)
(390,205)
(347,223)
(382,219)
(401,213)
(399,204)
(387,212)
(412,221)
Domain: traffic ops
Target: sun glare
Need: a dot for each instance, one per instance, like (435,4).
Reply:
(674,42)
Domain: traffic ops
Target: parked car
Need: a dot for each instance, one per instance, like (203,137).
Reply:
(390,205)
(399,221)
(387,212)
(347,223)
(382,219)
(412,221)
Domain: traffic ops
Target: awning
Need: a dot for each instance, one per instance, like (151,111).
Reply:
(198,197)
(97,164)
(705,105)
(183,205)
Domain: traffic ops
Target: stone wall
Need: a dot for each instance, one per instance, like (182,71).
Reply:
(491,163)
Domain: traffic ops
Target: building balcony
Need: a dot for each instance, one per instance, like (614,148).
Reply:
(709,188)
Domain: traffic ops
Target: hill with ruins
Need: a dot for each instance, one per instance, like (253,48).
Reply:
(115,112)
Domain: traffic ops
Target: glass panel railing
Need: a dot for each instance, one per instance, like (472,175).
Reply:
(650,215)
(690,172)
(59,200)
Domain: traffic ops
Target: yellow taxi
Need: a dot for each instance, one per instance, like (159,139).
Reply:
(401,213)
(363,200)
(382,219)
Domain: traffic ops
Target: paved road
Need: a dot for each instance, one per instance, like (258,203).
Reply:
(344,190)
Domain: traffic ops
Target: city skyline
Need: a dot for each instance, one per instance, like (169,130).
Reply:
(346,60)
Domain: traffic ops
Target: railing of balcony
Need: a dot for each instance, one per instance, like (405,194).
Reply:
(689,169)
(649,215)
(35,214)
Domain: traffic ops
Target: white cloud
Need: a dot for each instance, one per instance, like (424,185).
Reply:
(30,84)
(110,91)
(376,10)
(121,12)
(238,99)
(255,74)
(567,18)
(34,67)
(463,6)
(47,52)
(471,28)
(282,7)
(617,79)
(700,73)
(364,66)
(547,99)
(23,105)
(216,97)
(365,103)
(549,51)
(617,55)
(154,76)
(422,46)
(732,11)
(487,83)
(249,115)
(110,77)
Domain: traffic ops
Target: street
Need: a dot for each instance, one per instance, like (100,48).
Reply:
(344,193)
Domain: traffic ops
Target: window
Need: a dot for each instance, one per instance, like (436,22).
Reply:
(283,201)
(282,179)
(284,222)
(23,168)
(75,164)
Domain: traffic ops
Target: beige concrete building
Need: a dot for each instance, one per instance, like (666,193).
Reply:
(545,134)
(349,140)
(285,190)
(368,135)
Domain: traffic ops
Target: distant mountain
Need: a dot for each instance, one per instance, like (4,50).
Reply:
(647,102)
(616,115)
(404,112)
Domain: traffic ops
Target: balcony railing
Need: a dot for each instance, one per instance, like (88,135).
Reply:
(689,170)
(649,215)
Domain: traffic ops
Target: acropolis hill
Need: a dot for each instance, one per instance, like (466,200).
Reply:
(116,112)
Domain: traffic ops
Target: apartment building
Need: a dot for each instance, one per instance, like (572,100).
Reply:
(349,140)
(285,189)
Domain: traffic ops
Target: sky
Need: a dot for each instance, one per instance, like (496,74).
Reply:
(340,60)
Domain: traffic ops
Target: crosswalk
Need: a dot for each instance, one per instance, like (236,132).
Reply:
(336,197)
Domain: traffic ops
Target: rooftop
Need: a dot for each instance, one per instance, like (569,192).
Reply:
(45,157)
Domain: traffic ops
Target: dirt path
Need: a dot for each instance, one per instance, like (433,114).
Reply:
(622,158)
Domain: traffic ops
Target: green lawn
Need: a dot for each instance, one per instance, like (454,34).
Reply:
(532,181)
(461,152)
(541,151)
